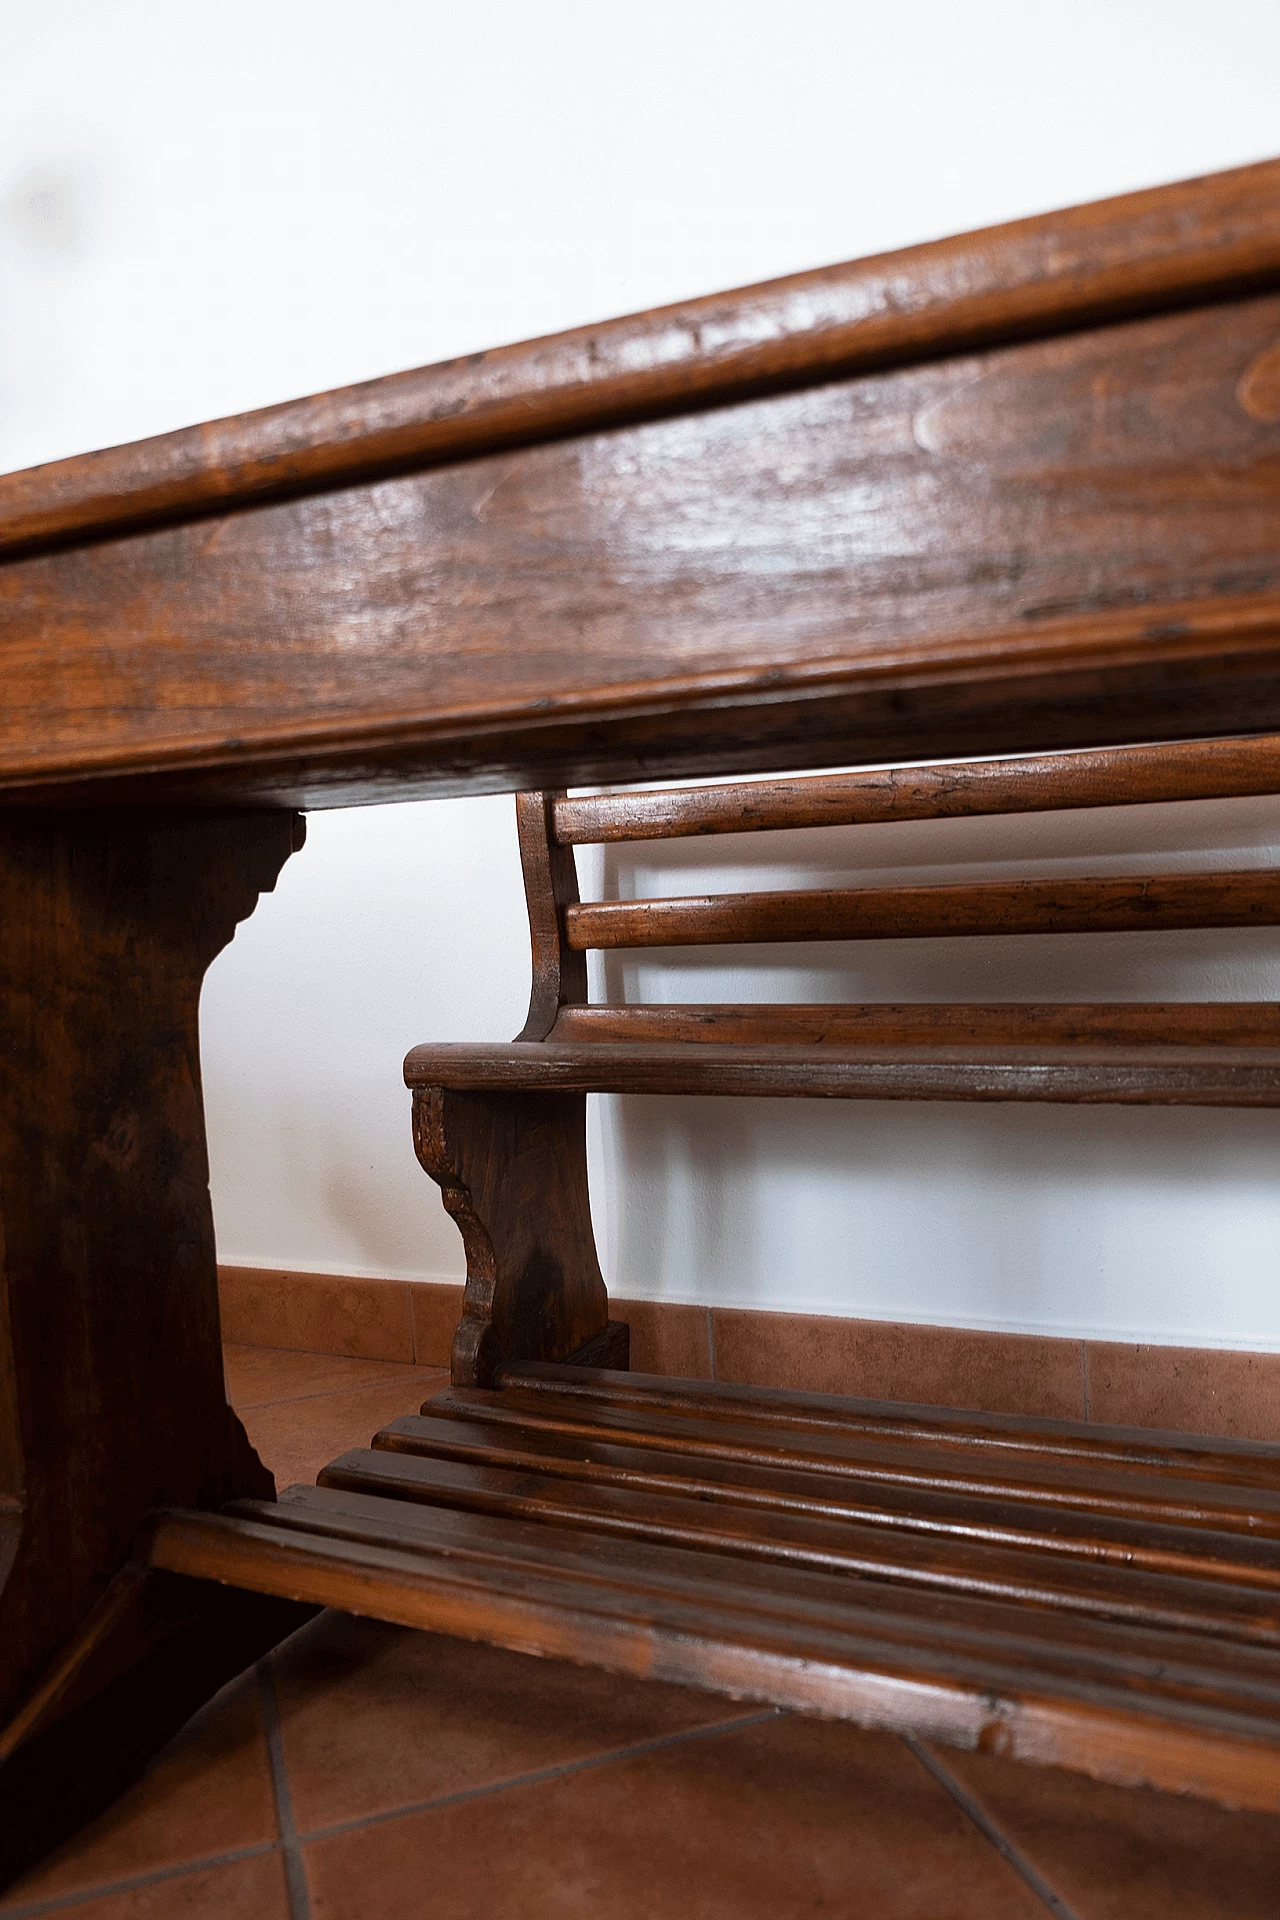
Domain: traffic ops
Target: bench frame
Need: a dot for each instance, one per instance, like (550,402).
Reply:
(502,1129)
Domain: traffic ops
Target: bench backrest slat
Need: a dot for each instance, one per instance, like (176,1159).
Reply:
(1223,1023)
(563,929)
(1121,905)
(1036,783)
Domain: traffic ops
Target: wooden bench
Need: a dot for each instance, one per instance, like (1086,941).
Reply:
(1107,1598)
(502,1128)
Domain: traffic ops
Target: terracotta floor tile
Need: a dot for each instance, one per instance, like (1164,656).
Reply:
(295,1438)
(783,1819)
(210,1793)
(666,1338)
(375,1717)
(260,1376)
(317,1312)
(1116,1853)
(238,1890)
(887,1360)
(1190,1389)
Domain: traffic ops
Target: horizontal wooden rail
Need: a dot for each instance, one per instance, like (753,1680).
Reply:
(1042,783)
(1178,1076)
(1010,1024)
(1121,905)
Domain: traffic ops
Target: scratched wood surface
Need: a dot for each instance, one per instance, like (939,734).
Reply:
(950,537)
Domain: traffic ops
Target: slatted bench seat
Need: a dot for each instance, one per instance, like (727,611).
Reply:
(1100,1598)
(1105,1598)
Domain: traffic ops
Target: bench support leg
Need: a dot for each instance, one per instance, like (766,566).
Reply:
(111,1389)
(512,1168)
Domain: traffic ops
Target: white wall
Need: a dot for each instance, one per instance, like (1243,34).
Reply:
(203,210)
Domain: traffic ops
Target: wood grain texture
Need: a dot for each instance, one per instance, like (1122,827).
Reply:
(550,885)
(1120,905)
(1098,1598)
(1102,1074)
(1067,542)
(111,1388)
(1171,245)
(1189,1023)
(513,1176)
(1034,783)
(1015,492)
(614,1487)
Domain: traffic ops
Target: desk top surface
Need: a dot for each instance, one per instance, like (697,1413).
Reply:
(1016,489)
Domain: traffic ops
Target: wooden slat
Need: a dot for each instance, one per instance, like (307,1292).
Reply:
(1102,1598)
(899,1508)
(644,1584)
(1132,1493)
(1237,1462)
(1106,777)
(1174,1708)
(1222,1023)
(1132,1075)
(1120,905)
(892,1509)
(1184,1596)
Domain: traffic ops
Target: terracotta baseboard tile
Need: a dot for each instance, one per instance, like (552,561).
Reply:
(358,1318)
(888,1360)
(437,1309)
(1186,1389)
(666,1338)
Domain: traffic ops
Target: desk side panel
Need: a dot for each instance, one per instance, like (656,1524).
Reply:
(995,550)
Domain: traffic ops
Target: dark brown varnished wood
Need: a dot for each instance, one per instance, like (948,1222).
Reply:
(110,1361)
(550,885)
(1102,1598)
(1123,905)
(1189,1023)
(1136,253)
(1015,492)
(1033,783)
(513,1176)
(1108,1075)
(1108,1586)
(969,1674)
(1164,1055)
(1067,541)
(1194,1603)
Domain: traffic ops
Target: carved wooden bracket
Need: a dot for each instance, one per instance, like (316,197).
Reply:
(512,1169)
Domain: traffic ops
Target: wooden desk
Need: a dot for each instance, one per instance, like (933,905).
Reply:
(1017,490)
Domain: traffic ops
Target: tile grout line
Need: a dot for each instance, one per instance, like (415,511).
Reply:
(542,1774)
(333,1393)
(987,1827)
(64,1902)
(295,1872)
(711,1343)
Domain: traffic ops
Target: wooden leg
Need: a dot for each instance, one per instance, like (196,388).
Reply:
(513,1172)
(111,1387)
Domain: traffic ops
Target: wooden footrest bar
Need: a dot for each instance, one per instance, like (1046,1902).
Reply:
(1102,1598)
